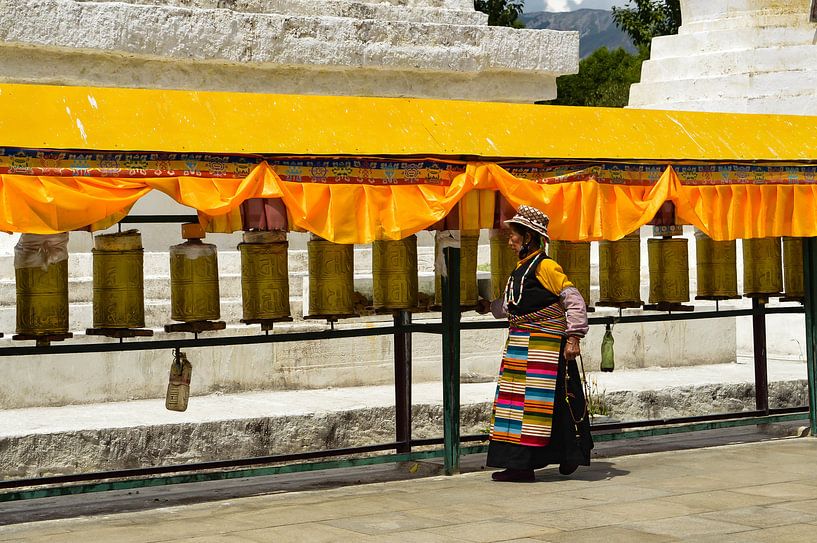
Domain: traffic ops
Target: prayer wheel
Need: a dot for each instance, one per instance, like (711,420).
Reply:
(793,276)
(119,300)
(331,279)
(469,292)
(194,294)
(41,273)
(574,258)
(503,261)
(669,270)
(716,265)
(264,276)
(762,267)
(394,274)
(620,272)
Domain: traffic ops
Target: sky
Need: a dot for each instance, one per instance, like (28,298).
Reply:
(569,5)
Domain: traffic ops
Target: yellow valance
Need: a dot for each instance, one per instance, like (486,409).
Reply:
(584,202)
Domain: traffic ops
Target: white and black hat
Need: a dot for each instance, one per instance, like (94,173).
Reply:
(532,218)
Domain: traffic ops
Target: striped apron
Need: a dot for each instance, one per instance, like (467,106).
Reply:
(525,393)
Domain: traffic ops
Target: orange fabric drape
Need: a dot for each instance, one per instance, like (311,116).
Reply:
(580,210)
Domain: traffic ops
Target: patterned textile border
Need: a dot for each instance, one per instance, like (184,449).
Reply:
(377,170)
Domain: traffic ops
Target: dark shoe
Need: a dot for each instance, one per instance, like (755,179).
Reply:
(567,469)
(514,476)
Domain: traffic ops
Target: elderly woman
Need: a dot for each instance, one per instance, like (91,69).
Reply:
(540,414)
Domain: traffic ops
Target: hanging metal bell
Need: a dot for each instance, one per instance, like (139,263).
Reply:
(503,260)
(762,267)
(394,273)
(574,258)
(716,268)
(264,276)
(793,275)
(119,300)
(669,270)
(331,279)
(194,293)
(620,272)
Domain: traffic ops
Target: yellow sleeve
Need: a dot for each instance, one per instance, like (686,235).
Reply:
(552,277)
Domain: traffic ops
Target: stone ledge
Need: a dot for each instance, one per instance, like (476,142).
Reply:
(65,452)
(460,15)
(222,36)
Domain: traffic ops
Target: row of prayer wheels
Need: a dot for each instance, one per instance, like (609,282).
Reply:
(118,292)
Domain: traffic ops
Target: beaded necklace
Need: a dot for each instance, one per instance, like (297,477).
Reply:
(509,297)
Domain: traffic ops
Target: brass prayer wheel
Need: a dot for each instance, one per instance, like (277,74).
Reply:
(394,274)
(716,265)
(762,267)
(669,270)
(503,261)
(194,294)
(469,292)
(264,276)
(620,272)
(574,258)
(331,278)
(119,300)
(42,299)
(793,276)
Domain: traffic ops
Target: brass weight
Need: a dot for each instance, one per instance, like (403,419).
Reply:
(716,265)
(118,298)
(503,261)
(793,276)
(469,292)
(264,276)
(574,258)
(620,272)
(42,299)
(669,270)
(194,294)
(331,279)
(762,267)
(394,274)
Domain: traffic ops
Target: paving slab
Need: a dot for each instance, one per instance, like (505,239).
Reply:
(622,498)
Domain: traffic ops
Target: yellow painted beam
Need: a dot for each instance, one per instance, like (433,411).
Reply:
(35,116)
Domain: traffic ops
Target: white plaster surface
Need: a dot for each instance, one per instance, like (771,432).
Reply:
(306,47)
(743,56)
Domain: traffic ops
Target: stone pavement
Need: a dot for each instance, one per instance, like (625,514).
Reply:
(753,492)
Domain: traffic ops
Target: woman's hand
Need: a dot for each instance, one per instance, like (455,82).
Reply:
(572,349)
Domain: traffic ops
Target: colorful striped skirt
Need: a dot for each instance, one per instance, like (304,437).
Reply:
(525,394)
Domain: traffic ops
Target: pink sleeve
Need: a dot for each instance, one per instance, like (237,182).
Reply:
(575,311)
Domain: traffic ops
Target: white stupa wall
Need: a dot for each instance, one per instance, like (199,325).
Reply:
(740,56)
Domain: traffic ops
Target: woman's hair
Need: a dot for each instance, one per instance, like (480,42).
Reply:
(535,242)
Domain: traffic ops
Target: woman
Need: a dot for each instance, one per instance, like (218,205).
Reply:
(539,415)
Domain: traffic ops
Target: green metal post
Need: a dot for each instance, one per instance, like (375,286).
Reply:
(450,284)
(810,303)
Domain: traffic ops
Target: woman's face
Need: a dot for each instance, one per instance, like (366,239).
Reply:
(516,241)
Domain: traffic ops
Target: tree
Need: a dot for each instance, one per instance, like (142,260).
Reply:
(647,19)
(501,12)
(604,79)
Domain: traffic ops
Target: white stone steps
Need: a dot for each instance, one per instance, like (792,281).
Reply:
(722,88)
(733,39)
(801,58)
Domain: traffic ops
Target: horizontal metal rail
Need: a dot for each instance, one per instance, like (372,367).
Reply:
(219,341)
(651,317)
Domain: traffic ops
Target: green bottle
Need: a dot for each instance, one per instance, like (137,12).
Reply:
(607,356)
